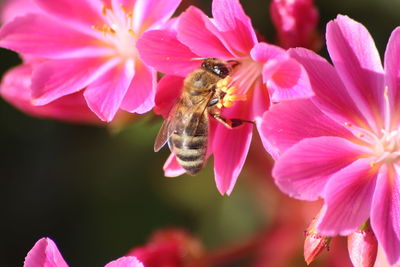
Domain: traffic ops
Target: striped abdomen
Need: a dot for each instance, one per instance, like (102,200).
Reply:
(189,143)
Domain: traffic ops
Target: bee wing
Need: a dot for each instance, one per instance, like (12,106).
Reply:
(171,123)
(167,128)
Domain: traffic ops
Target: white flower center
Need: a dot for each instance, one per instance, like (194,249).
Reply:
(118,31)
(388,147)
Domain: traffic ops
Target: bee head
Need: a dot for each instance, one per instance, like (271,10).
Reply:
(218,67)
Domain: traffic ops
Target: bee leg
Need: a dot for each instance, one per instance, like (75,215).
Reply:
(230,123)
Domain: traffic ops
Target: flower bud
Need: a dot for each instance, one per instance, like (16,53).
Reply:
(314,243)
(170,247)
(363,248)
(295,22)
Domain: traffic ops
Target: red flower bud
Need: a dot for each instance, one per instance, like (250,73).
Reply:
(296,22)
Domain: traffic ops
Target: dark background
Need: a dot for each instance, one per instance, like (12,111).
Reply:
(98,192)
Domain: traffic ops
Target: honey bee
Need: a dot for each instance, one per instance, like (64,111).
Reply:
(187,126)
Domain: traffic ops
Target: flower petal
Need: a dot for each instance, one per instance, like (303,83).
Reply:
(15,88)
(193,31)
(392,75)
(357,61)
(288,81)
(15,8)
(44,253)
(260,101)
(172,168)
(128,261)
(228,163)
(42,36)
(140,95)
(348,198)
(162,50)
(105,95)
(87,11)
(263,52)
(385,214)
(152,13)
(56,78)
(331,96)
(287,123)
(169,89)
(303,170)
(234,25)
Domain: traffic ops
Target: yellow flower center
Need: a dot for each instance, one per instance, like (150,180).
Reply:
(118,31)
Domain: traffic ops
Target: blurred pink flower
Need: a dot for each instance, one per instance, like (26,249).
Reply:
(15,88)
(90,46)
(46,254)
(343,145)
(170,247)
(296,23)
(263,69)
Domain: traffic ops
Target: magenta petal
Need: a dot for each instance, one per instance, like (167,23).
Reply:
(128,261)
(87,11)
(348,198)
(235,26)
(262,52)
(357,61)
(15,88)
(104,97)
(260,101)
(288,81)
(140,95)
(11,9)
(331,96)
(169,89)
(42,36)
(287,123)
(193,32)
(172,167)
(162,50)
(56,78)
(44,254)
(392,74)
(385,215)
(228,163)
(151,13)
(303,170)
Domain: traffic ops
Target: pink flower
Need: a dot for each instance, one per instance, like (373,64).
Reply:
(15,88)
(46,254)
(263,69)
(296,22)
(90,45)
(343,145)
(363,248)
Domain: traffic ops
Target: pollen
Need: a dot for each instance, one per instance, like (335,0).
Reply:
(230,95)
(118,30)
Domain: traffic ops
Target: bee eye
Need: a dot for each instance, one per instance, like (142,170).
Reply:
(213,101)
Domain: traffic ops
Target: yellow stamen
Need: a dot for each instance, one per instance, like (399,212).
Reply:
(231,95)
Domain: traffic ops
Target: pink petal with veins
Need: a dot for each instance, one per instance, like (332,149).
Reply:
(140,95)
(162,50)
(357,61)
(56,78)
(105,95)
(385,215)
(348,198)
(303,170)
(42,36)
(44,254)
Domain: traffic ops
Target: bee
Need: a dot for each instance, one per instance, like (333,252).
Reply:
(187,126)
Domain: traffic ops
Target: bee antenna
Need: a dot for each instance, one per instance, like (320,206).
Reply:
(201,58)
